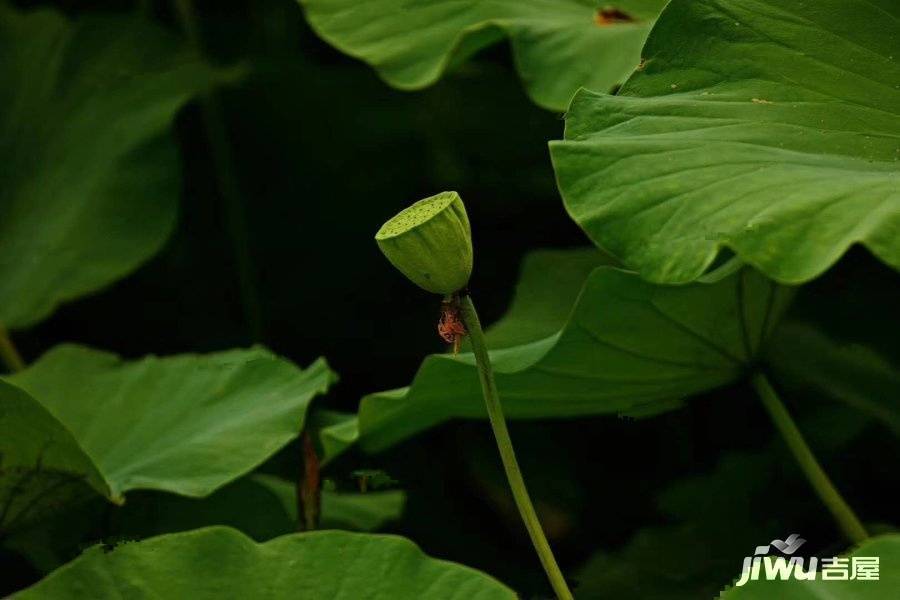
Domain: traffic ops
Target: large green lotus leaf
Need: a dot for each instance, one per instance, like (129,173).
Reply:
(335,432)
(548,288)
(627,346)
(186,424)
(41,463)
(89,176)
(768,128)
(801,356)
(219,562)
(885,547)
(558,45)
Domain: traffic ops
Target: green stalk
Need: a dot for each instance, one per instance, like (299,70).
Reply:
(507,454)
(840,510)
(9,353)
(213,117)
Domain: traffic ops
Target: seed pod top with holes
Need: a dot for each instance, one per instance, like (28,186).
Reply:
(431,243)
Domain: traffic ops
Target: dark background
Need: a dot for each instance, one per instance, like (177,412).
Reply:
(323,152)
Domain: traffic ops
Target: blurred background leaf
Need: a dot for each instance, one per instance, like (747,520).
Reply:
(89,174)
(261,506)
(802,356)
(715,519)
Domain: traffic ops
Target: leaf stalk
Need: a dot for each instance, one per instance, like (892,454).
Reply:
(846,519)
(507,453)
(9,353)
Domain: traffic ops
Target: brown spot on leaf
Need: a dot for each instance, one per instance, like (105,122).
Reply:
(609,15)
(760,101)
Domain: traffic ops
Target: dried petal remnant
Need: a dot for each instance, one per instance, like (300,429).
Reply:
(450,326)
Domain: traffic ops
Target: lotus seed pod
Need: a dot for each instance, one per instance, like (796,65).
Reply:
(431,243)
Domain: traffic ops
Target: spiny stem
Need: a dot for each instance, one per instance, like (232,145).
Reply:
(9,353)
(507,454)
(223,163)
(840,510)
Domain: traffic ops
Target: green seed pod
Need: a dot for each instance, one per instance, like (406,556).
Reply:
(431,243)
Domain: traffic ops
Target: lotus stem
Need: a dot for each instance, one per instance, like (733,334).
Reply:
(846,519)
(507,454)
